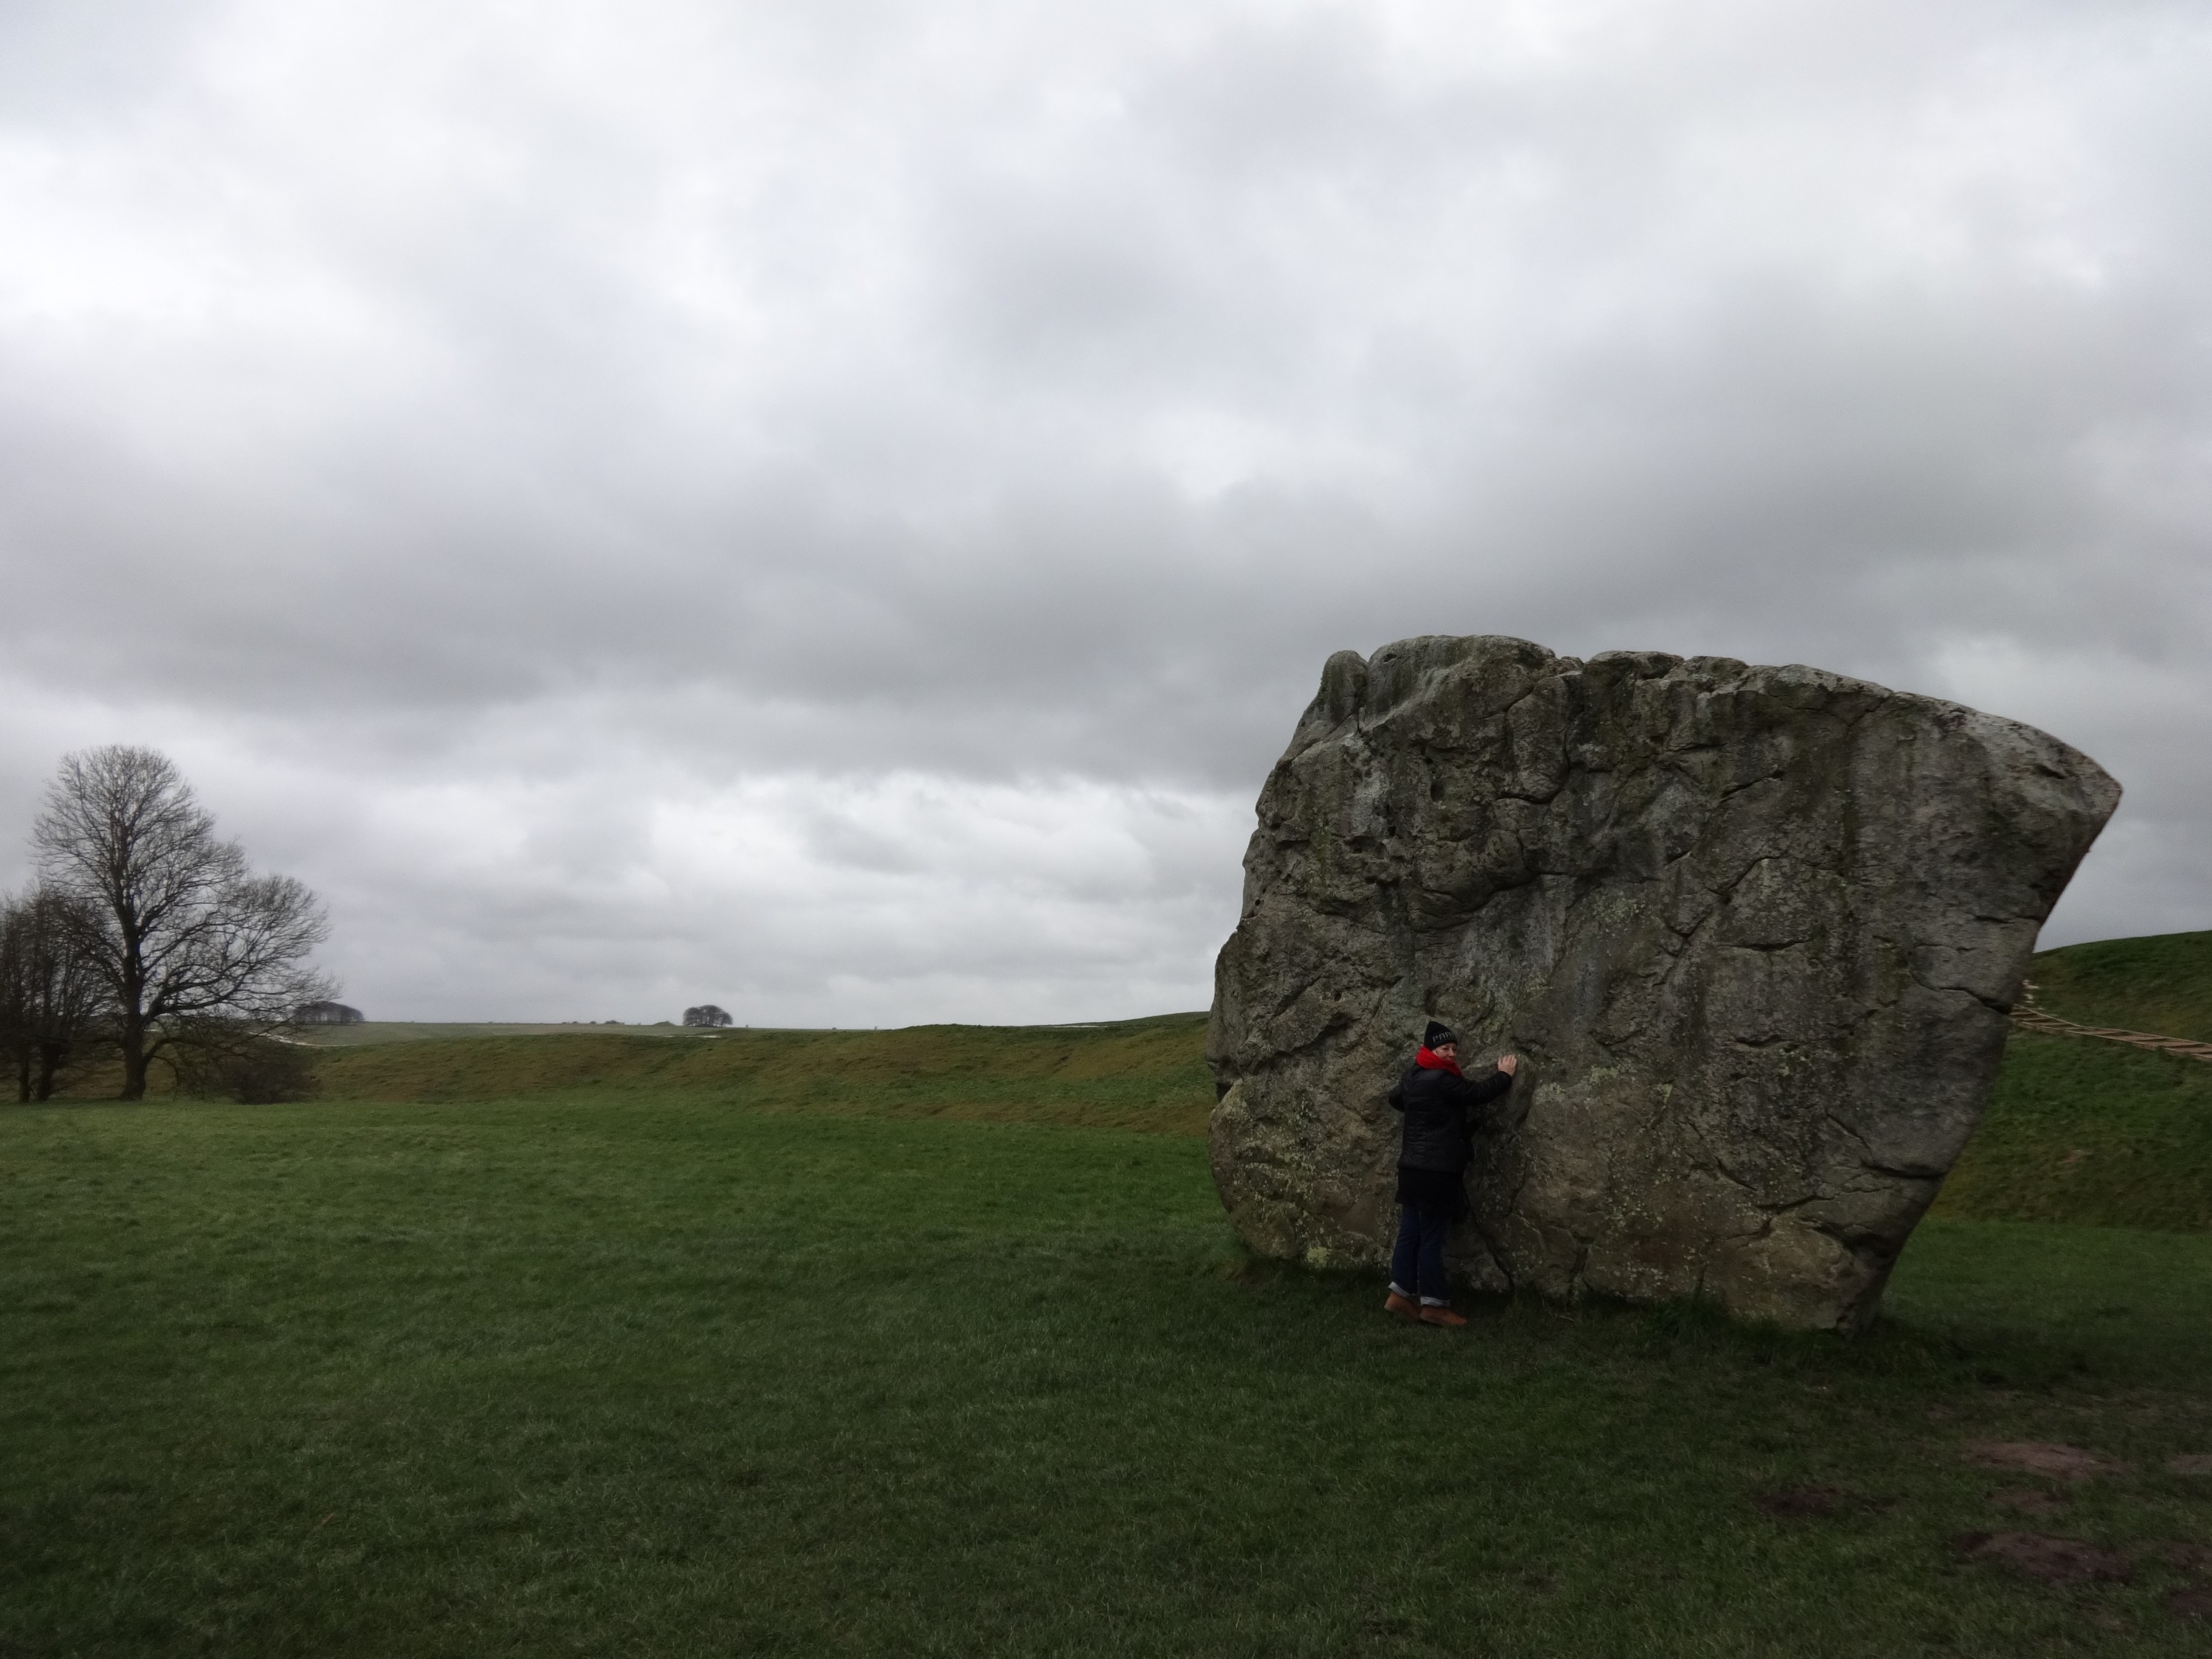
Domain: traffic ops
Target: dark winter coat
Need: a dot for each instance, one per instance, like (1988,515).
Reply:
(1438,1104)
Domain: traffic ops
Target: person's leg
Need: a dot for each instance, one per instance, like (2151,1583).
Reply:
(1405,1261)
(1436,1228)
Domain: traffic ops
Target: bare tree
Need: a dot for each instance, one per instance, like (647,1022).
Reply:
(192,946)
(51,996)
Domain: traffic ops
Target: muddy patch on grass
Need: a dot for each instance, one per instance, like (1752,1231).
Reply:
(2195,1602)
(2190,1558)
(2190,1463)
(2050,1457)
(2028,1500)
(2040,1556)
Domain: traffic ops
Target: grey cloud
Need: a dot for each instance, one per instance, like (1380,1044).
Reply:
(701,396)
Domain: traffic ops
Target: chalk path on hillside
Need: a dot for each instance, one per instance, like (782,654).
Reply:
(2031,1018)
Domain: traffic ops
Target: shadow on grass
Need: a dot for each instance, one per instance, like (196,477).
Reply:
(1942,1346)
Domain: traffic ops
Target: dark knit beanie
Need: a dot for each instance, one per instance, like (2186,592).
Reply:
(1438,1035)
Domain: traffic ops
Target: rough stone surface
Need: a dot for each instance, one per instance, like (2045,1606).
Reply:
(1753,931)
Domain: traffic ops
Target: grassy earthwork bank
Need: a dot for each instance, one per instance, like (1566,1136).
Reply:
(1146,1074)
(2097,1133)
(2162,983)
(937,1342)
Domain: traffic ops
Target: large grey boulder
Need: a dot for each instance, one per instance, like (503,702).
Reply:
(1754,933)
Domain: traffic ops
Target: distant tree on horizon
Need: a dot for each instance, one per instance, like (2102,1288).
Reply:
(192,948)
(327,1013)
(705,1014)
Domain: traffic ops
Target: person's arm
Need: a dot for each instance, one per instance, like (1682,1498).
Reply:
(1481,1090)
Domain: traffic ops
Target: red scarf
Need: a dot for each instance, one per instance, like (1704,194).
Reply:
(1430,1060)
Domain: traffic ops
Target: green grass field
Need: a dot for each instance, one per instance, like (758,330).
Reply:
(2093,1132)
(937,1342)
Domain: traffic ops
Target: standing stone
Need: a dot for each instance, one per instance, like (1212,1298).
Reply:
(1754,933)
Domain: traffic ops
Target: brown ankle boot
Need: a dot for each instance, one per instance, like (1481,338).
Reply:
(1441,1316)
(1403,1306)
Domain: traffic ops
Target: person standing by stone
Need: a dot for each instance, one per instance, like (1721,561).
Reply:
(1439,1142)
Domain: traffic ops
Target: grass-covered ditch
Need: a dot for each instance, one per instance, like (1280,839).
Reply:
(937,1342)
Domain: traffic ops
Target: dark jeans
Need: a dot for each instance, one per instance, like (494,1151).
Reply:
(1417,1266)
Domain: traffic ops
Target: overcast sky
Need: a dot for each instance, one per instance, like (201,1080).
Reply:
(833,509)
